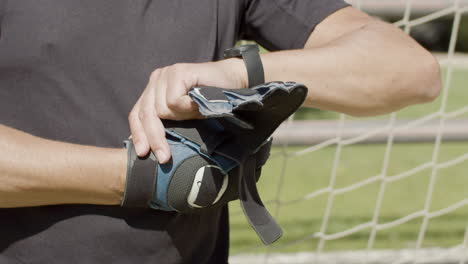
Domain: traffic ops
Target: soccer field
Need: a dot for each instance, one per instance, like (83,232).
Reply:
(307,173)
(304,174)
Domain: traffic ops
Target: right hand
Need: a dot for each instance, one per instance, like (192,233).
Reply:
(165,97)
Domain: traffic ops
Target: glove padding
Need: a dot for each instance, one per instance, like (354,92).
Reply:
(192,180)
(218,159)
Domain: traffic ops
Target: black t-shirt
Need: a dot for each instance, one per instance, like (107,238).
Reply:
(71,71)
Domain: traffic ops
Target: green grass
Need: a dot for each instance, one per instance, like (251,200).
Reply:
(307,173)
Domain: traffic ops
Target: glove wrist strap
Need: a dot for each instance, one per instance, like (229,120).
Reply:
(141,175)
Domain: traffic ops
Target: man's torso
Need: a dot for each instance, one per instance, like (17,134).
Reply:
(71,71)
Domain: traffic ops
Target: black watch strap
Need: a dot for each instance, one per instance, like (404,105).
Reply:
(141,175)
(250,54)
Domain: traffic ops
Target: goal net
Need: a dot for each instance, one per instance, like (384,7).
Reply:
(391,189)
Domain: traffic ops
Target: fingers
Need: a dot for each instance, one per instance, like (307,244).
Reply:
(177,97)
(190,108)
(166,97)
(181,105)
(150,117)
(178,103)
(138,132)
(146,127)
(156,135)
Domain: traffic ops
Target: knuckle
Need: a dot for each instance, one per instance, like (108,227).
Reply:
(146,114)
(164,113)
(193,106)
(179,68)
(155,74)
(132,115)
(173,103)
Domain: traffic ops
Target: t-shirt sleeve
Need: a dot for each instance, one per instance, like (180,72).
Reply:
(284,24)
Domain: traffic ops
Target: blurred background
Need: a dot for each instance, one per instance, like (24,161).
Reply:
(435,34)
(387,189)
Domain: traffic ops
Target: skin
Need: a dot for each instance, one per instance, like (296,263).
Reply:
(36,171)
(352,63)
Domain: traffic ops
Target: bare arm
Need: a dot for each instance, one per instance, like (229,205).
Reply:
(36,171)
(357,65)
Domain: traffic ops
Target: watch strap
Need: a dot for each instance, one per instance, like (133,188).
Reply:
(253,63)
(254,67)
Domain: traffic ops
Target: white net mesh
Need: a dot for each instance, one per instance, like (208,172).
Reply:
(315,238)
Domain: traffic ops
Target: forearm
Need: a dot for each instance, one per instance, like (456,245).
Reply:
(373,70)
(36,171)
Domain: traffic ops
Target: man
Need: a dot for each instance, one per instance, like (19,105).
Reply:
(71,71)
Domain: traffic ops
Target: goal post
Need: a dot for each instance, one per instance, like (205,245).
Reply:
(392,201)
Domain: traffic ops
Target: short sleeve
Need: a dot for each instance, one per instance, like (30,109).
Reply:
(284,24)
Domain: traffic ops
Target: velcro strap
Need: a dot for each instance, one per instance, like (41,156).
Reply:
(258,216)
(263,153)
(141,175)
(254,67)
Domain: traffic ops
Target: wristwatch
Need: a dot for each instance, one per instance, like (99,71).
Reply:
(250,54)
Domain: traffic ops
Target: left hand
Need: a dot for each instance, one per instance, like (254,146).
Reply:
(165,97)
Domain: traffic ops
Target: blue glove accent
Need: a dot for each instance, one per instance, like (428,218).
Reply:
(181,149)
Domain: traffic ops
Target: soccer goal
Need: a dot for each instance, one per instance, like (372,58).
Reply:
(391,189)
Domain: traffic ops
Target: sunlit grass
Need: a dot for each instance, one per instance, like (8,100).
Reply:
(308,173)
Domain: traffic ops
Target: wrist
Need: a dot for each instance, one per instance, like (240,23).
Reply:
(235,68)
(252,61)
(119,183)
(140,176)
